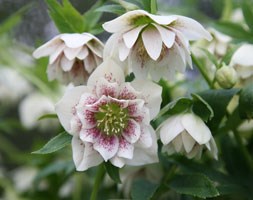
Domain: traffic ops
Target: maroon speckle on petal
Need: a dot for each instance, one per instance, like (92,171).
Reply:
(108,142)
(127,94)
(89,117)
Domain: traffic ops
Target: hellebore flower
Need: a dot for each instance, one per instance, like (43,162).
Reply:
(152,44)
(72,57)
(187,134)
(109,119)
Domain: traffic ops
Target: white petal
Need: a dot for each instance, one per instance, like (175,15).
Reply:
(196,128)
(126,149)
(171,128)
(84,156)
(196,152)
(89,63)
(162,20)
(243,56)
(71,53)
(89,135)
(106,88)
(96,47)
(64,108)
(75,40)
(123,51)
(48,48)
(191,28)
(132,132)
(109,70)
(151,93)
(188,141)
(145,140)
(107,146)
(152,42)
(66,64)
(178,143)
(131,36)
(56,53)
(83,53)
(128,92)
(86,117)
(118,162)
(168,37)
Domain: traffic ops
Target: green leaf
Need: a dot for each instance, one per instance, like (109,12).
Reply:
(202,108)
(218,100)
(143,189)
(47,116)
(55,144)
(116,9)
(197,185)
(146,5)
(166,97)
(211,57)
(246,102)
(113,172)
(227,57)
(248,13)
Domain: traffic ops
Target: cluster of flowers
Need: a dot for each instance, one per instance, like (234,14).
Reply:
(108,117)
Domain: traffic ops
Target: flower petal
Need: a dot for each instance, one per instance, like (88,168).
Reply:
(170,129)
(106,88)
(188,141)
(83,53)
(145,140)
(196,128)
(123,50)
(131,36)
(126,149)
(86,117)
(96,47)
(178,143)
(118,162)
(53,57)
(162,20)
(64,108)
(89,63)
(89,135)
(107,146)
(75,40)
(127,92)
(168,37)
(243,56)
(71,53)
(132,132)
(84,156)
(66,64)
(152,42)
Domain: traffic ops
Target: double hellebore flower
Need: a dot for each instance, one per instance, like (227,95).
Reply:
(109,119)
(153,44)
(187,134)
(72,57)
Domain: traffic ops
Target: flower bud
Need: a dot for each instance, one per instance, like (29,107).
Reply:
(226,77)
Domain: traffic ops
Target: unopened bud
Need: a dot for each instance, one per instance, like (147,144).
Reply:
(226,77)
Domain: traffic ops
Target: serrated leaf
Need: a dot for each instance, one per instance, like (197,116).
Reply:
(113,172)
(202,108)
(116,9)
(55,144)
(197,185)
(248,13)
(47,116)
(246,102)
(143,189)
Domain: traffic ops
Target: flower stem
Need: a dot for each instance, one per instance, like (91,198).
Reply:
(98,180)
(153,6)
(202,71)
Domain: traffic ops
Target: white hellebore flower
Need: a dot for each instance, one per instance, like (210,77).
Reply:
(109,119)
(72,57)
(242,61)
(154,45)
(187,134)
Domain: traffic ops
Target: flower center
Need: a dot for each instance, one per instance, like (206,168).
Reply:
(141,20)
(112,119)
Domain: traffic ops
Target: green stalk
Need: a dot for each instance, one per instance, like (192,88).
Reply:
(153,6)
(98,180)
(227,9)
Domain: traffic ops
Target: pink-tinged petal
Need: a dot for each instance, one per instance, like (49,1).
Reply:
(89,135)
(86,117)
(123,50)
(170,129)
(145,140)
(106,88)
(168,37)
(118,162)
(162,20)
(126,149)
(48,48)
(65,107)
(151,93)
(84,156)
(144,156)
(71,53)
(152,42)
(196,128)
(131,36)
(56,53)
(83,53)
(87,99)
(66,64)
(132,132)
(178,143)
(191,28)
(138,111)
(96,47)
(127,92)
(75,125)
(107,146)
(188,141)
(108,70)
(75,40)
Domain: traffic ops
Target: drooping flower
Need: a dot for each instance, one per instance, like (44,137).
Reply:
(109,119)
(72,57)
(153,44)
(187,134)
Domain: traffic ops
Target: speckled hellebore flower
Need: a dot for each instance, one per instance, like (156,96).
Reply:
(109,119)
(72,57)
(187,134)
(153,44)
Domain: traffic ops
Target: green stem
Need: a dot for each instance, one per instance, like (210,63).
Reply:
(227,9)
(153,6)
(243,149)
(98,180)
(202,71)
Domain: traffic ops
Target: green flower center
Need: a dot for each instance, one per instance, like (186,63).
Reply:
(112,119)
(141,20)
